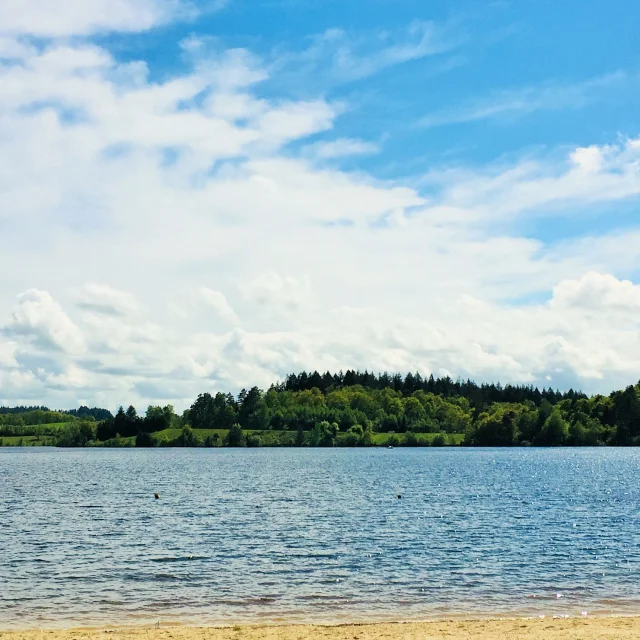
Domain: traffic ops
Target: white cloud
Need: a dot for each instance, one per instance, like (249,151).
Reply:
(41,319)
(588,159)
(83,17)
(598,292)
(74,377)
(589,175)
(218,302)
(283,293)
(341,148)
(122,195)
(100,298)
(8,354)
(296,120)
(466,336)
(12,48)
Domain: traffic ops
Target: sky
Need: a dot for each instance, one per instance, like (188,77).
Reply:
(208,195)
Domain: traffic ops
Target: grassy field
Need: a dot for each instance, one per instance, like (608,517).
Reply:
(379,439)
(49,428)
(26,441)
(172,434)
(29,435)
(269,437)
(383,439)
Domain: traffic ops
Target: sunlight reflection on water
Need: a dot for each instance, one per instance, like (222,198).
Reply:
(315,535)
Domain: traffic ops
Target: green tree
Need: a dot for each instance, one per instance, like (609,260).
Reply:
(411,439)
(159,419)
(555,430)
(253,411)
(586,433)
(254,440)
(353,437)
(414,414)
(367,438)
(393,440)
(76,434)
(439,440)
(323,434)
(189,438)
(627,416)
(495,428)
(144,439)
(235,437)
(212,440)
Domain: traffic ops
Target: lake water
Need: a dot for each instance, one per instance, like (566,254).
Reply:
(264,535)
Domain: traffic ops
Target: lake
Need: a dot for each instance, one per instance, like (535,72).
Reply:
(265,535)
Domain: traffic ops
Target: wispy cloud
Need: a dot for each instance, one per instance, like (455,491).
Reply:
(585,177)
(515,103)
(338,56)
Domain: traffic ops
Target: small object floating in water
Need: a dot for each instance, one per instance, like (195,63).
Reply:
(156,496)
(585,613)
(399,496)
(558,595)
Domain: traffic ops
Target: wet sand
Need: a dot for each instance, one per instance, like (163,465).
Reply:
(525,629)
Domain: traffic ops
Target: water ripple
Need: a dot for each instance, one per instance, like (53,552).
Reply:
(315,535)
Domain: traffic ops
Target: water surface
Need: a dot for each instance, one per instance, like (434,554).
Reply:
(269,535)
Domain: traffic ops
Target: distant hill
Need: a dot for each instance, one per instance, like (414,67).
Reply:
(350,409)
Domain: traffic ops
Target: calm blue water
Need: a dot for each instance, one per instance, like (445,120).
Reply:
(315,535)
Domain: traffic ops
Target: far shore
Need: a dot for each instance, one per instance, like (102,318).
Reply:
(548,628)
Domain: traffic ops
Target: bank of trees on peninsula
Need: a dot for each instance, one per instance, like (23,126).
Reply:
(352,409)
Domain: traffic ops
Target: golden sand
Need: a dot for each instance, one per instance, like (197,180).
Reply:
(525,629)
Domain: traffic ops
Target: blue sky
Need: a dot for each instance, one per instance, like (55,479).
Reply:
(496,80)
(209,195)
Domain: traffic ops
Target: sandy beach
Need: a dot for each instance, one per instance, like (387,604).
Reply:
(525,629)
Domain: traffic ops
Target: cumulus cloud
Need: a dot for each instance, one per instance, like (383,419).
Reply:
(40,319)
(7,354)
(589,159)
(598,292)
(143,192)
(539,343)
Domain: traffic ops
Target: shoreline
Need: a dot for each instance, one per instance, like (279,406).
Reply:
(613,627)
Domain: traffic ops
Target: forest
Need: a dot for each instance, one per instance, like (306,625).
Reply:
(347,409)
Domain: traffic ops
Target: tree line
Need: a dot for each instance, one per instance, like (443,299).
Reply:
(358,409)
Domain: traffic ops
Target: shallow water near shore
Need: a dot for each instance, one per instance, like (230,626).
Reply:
(315,535)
